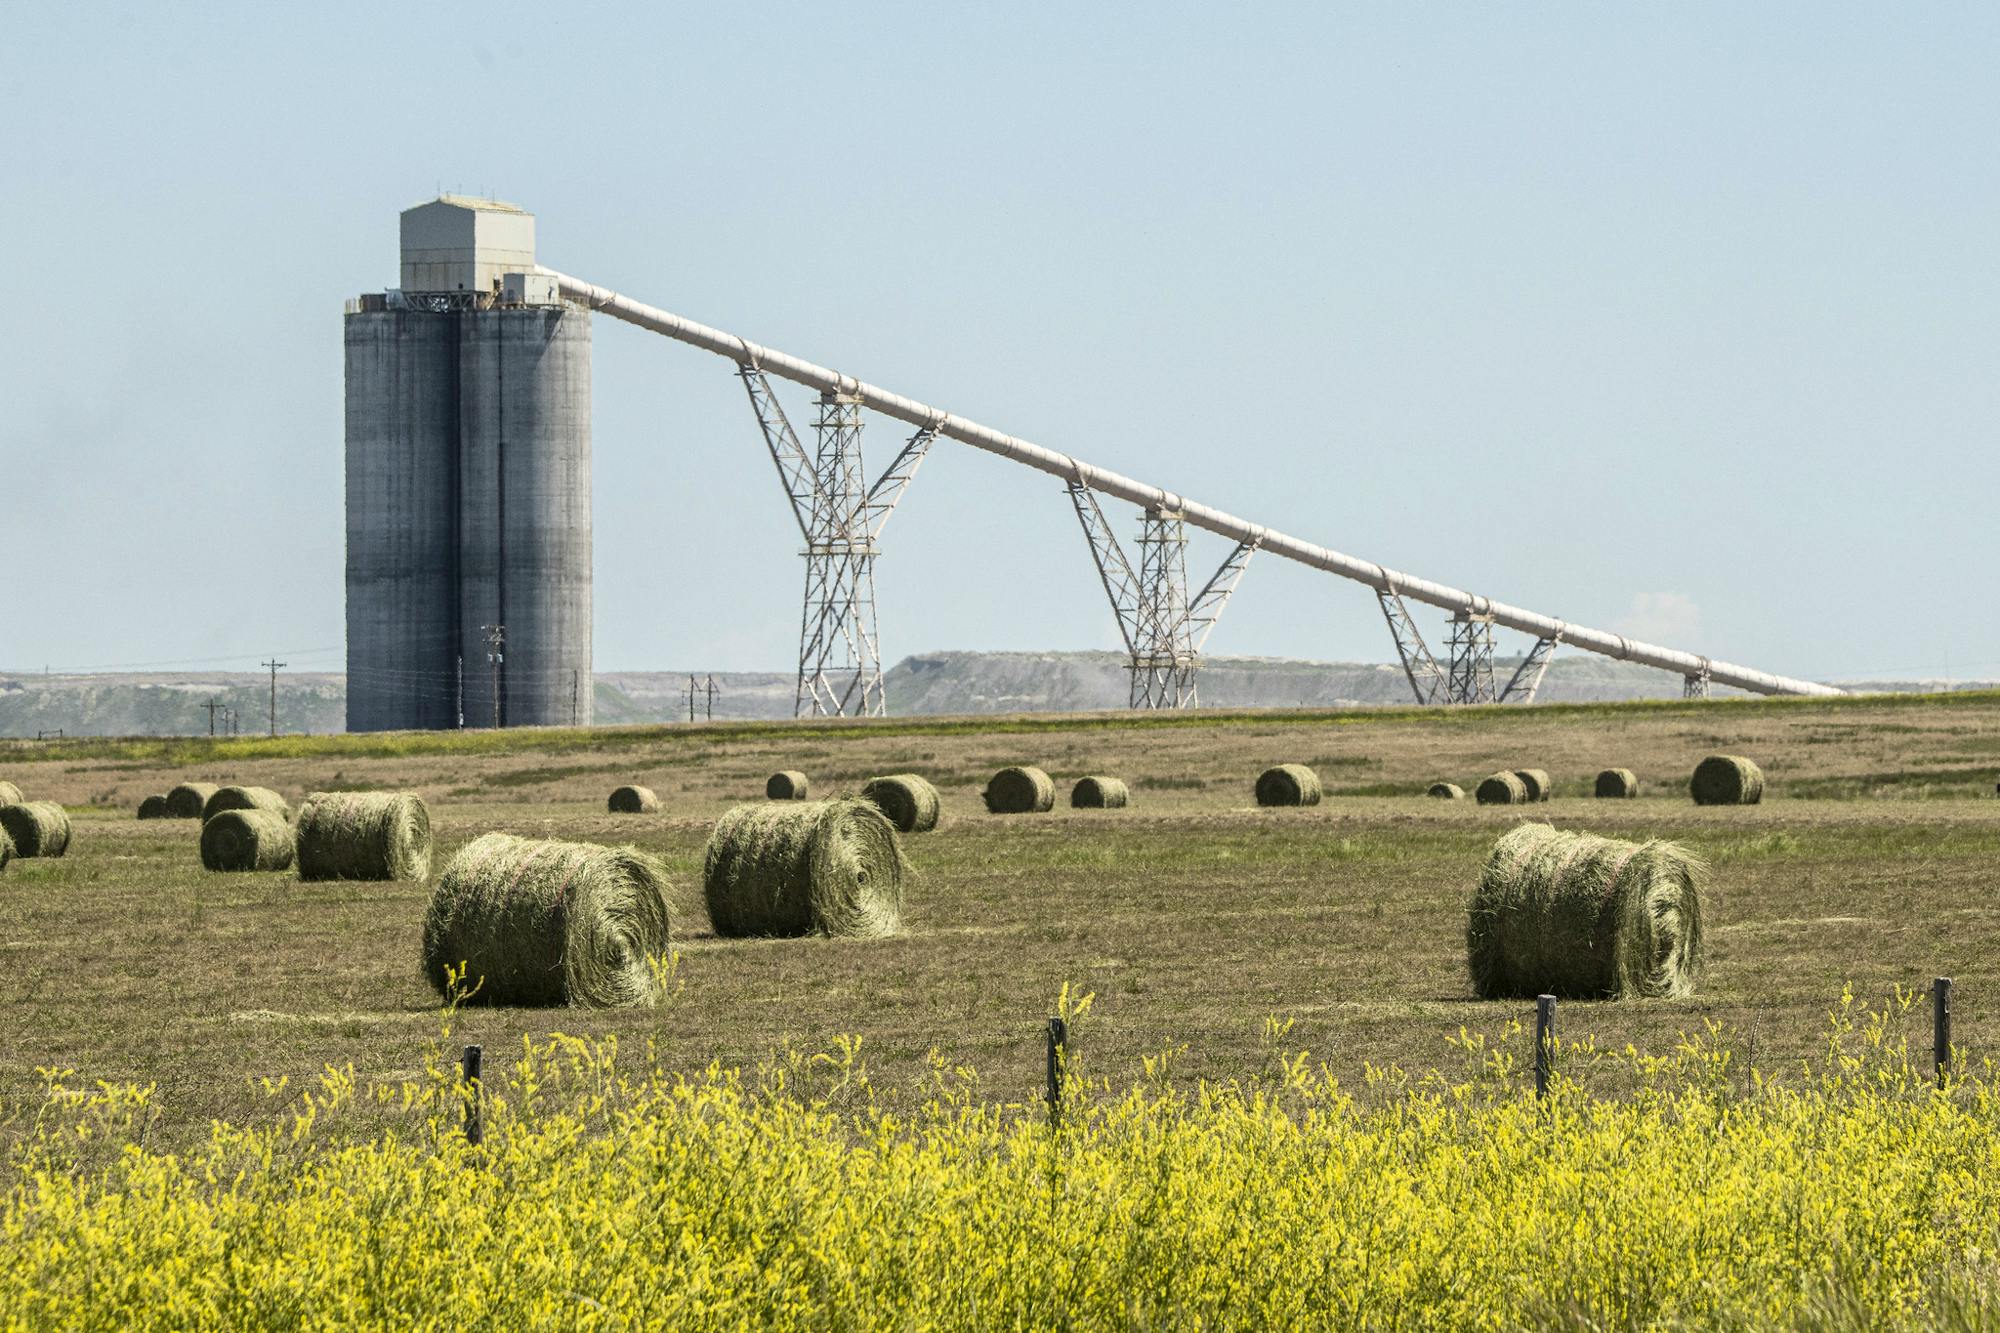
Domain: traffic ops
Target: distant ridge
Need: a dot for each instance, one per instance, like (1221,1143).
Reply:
(171,703)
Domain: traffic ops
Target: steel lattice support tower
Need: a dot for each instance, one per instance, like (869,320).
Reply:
(1163,629)
(1163,664)
(1426,677)
(1527,677)
(840,659)
(1694,685)
(1471,680)
(840,666)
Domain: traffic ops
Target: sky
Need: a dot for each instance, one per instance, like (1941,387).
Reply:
(1677,320)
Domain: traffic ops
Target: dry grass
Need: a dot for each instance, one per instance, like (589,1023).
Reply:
(1193,917)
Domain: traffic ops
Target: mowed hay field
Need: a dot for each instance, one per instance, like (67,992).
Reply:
(1193,915)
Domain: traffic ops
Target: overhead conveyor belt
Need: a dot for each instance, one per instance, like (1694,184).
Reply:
(1382,579)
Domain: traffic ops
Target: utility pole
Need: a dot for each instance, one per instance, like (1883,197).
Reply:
(212,704)
(274,664)
(496,645)
(691,691)
(711,696)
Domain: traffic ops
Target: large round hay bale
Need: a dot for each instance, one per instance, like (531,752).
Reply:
(1100,793)
(633,801)
(543,923)
(1617,784)
(1726,779)
(1536,780)
(6,849)
(245,798)
(248,839)
(37,828)
(908,801)
(1288,784)
(787,784)
(1501,789)
(1571,914)
(188,800)
(10,794)
(1020,791)
(155,807)
(1446,791)
(833,867)
(364,835)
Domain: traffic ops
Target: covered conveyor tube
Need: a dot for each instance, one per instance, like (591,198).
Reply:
(1382,579)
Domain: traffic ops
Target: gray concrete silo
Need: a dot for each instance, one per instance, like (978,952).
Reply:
(524,529)
(468,482)
(402,520)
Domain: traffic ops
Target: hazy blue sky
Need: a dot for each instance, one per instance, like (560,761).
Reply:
(1674,319)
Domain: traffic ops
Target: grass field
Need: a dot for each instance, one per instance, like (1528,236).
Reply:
(1193,916)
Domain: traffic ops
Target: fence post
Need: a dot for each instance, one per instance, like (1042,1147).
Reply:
(1058,1057)
(1545,1031)
(1941,1027)
(475,1132)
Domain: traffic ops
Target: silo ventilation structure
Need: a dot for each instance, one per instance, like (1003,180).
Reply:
(468,483)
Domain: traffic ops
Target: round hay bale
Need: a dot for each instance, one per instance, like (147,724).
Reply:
(364,835)
(6,849)
(833,867)
(1501,789)
(1288,784)
(37,828)
(1570,914)
(908,801)
(1617,784)
(1726,779)
(10,794)
(245,798)
(634,801)
(1020,791)
(247,839)
(1100,793)
(537,922)
(1536,780)
(154,807)
(188,800)
(1446,791)
(787,784)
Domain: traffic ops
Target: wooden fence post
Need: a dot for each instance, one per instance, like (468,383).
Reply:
(1941,1028)
(1058,1057)
(475,1132)
(1545,1031)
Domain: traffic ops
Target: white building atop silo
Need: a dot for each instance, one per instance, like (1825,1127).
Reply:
(468,483)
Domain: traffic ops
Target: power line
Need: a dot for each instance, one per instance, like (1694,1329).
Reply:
(185,661)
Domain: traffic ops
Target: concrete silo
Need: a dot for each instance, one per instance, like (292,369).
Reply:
(468,483)
(402,520)
(524,530)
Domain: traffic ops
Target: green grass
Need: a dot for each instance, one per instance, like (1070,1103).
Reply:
(183,751)
(1921,782)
